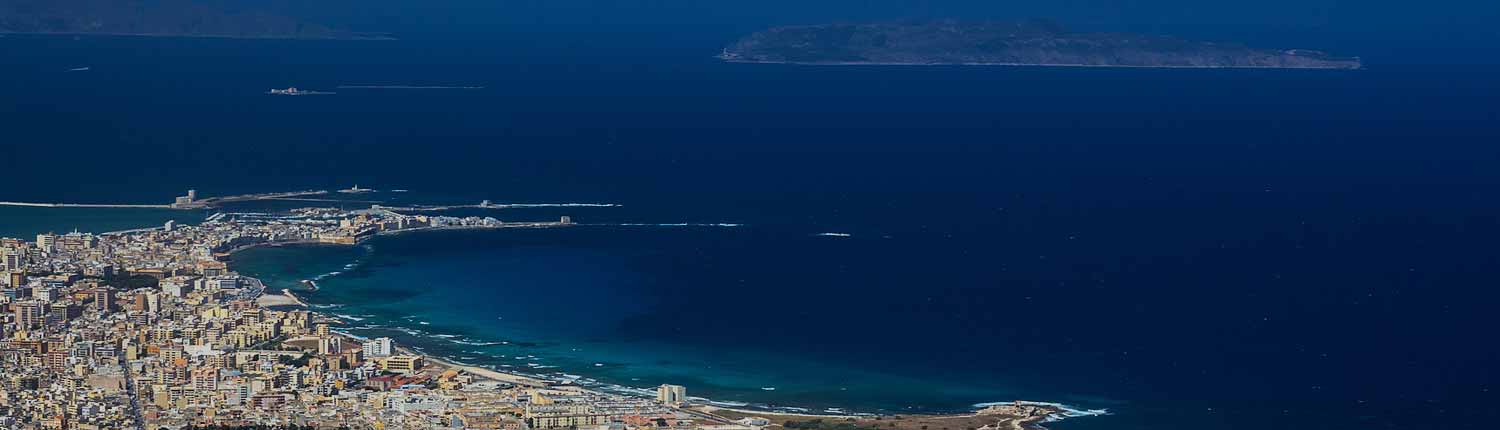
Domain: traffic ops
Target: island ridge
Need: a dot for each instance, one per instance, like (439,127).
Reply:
(1027,43)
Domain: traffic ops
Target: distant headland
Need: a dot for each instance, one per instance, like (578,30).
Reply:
(163,18)
(1027,43)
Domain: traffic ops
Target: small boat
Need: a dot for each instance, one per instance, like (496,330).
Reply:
(294,91)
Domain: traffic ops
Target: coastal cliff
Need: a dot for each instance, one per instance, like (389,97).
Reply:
(177,18)
(1030,43)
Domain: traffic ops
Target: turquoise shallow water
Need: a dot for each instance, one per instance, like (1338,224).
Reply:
(555,303)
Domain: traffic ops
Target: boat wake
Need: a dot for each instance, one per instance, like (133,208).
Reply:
(313,282)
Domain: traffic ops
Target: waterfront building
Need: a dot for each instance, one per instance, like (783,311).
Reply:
(379,347)
(402,363)
(187,200)
(671,394)
(224,283)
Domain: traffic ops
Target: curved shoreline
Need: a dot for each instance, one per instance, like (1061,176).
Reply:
(1062,411)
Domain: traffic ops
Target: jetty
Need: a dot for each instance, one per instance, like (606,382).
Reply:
(84,205)
(286,298)
(131,231)
(187,202)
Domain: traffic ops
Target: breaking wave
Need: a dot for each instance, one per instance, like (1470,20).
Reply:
(1067,411)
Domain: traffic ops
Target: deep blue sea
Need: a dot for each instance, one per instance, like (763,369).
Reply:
(1190,249)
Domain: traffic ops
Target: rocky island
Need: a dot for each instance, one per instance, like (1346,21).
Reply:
(1027,43)
(173,18)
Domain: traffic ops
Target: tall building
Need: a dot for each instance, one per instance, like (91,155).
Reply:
(11,260)
(46,241)
(104,299)
(330,345)
(29,314)
(46,295)
(379,347)
(205,379)
(65,311)
(671,394)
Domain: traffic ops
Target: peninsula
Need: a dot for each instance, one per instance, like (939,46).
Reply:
(152,329)
(1028,43)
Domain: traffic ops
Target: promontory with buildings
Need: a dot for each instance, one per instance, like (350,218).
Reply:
(1026,43)
(152,329)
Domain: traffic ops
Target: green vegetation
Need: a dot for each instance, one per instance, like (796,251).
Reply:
(274,344)
(294,362)
(829,424)
(131,282)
